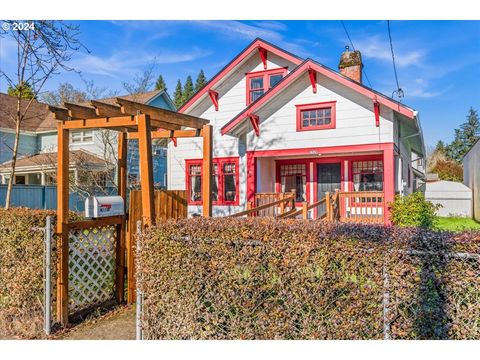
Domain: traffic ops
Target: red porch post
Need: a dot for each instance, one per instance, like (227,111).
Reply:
(251,176)
(388,179)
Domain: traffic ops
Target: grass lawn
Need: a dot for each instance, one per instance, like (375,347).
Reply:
(457,224)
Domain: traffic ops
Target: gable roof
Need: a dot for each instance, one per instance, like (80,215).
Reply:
(307,65)
(37,118)
(50,159)
(236,61)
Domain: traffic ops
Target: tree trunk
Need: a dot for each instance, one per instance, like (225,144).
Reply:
(14,155)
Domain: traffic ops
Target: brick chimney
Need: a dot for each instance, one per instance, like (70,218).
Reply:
(350,64)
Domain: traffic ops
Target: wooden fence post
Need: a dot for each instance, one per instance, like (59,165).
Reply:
(328,206)
(305,210)
(121,228)
(282,204)
(249,207)
(146,169)
(294,200)
(63,191)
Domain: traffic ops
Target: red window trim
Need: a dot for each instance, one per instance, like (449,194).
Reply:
(266,83)
(317,106)
(351,179)
(219,162)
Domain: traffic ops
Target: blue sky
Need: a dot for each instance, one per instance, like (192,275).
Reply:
(437,61)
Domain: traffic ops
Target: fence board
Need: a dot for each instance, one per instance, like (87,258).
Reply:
(168,204)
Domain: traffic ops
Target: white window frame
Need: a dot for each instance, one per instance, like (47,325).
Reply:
(83,134)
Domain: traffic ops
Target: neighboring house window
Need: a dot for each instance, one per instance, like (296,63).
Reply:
(318,116)
(225,181)
(259,82)
(20,180)
(367,175)
(82,137)
(294,176)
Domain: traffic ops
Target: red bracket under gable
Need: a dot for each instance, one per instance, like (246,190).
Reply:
(376,109)
(255,120)
(174,140)
(312,74)
(214,98)
(263,56)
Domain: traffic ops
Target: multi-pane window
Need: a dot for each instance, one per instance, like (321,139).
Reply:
(224,181)
(82,137)
(316,116)
(368,175)
(229,181)
(195,182)
(260,82)
(294,176)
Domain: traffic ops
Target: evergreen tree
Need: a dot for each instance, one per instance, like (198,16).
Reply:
(26,90)
(471,128)
(178,95)
(160,84)
(440,147)
(465,137)
(188,90)
(201,80)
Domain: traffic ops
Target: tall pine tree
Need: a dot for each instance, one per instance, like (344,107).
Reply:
(160,84)
(201,81)
(465,137)
(178,95)
(188,90)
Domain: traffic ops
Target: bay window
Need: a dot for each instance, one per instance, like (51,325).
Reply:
(225,181)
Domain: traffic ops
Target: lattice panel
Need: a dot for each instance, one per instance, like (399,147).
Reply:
(91,267)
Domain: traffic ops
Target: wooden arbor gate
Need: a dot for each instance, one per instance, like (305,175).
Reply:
(132,120)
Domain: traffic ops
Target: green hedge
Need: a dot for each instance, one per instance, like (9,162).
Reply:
(290,279)
(21,272)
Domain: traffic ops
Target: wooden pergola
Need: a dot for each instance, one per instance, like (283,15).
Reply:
(132,120)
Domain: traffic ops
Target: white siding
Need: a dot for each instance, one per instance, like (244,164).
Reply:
(232,100)
(471,176)
(355,121)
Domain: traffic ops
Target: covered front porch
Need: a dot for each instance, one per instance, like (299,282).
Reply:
(362,177)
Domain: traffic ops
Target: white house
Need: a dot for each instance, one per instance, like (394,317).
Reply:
(471,176)
(281,122)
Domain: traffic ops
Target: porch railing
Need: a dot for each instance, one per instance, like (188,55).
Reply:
(359,207)
(269,205)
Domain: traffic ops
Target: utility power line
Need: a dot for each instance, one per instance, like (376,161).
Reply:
(399,90)
(353,47)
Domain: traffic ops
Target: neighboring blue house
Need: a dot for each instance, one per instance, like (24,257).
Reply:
(39,138)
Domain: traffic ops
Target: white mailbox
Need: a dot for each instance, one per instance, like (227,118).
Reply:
(101,206)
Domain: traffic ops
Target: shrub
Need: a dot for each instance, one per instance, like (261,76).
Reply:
(21,272)
(448,170)
(413,210)
(261,278)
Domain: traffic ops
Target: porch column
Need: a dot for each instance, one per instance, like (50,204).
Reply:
(43,178)
(251,176)
(388,180)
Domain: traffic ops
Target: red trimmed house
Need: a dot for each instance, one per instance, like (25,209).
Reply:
(282,122)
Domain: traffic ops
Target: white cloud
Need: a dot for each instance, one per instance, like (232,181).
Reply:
(121,63)
(268,30)
(375,47)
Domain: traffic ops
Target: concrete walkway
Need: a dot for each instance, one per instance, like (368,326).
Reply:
(119,326)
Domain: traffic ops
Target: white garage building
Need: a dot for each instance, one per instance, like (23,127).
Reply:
(455,197)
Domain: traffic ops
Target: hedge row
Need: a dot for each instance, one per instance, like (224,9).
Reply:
(290,279)
(21,272)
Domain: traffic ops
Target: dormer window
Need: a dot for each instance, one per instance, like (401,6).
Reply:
(259,82)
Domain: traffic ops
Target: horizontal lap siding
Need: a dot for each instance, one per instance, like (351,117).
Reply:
(355,121)
(232,102)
